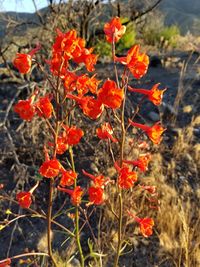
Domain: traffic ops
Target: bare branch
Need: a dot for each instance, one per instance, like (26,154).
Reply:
(38,13)
(140,14)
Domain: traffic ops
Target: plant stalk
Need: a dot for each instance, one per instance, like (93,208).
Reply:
(119,230)
(49,215)
(122,142)
(120,199)
(76,215)
(51,186)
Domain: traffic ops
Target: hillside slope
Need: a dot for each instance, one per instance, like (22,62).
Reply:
(184,13)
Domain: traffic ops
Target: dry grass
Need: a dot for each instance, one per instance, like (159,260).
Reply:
(177,221)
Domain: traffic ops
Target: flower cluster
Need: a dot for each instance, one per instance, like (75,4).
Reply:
(96,191)
(92,97)
(28,108)
(68,47)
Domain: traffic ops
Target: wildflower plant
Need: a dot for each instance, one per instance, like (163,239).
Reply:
(74,90)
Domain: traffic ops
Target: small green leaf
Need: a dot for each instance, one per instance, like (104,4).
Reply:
(8,212)
(2,226)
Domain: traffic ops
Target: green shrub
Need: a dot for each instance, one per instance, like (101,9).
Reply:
(169,34)
(103,48)
(165,36)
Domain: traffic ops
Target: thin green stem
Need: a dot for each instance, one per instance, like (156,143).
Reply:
(119,230)
(120,198)
(49,215)
(51,186)
(77,233)
(50,203)
(122,142)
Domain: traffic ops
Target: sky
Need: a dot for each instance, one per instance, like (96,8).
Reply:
(21,5)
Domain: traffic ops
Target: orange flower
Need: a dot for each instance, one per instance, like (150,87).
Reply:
(61,147)
(58,65)
(93,108)
(68,44)
(85,84)
(90,60)
(92,84)
(50,168)
(23,62)
(146,225)
(72,135)
(87,58)
(99,180)
(25,109)
(142,162)
(110,95)
(72,45)
(75,194)
(154,95)
(114,30)
(70,81)
(136,62)
(44,107)
(96,195)
(5,263)
(126,178)
(105,132)
(68,177)
(24,199)
(154,132)
(80,45)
